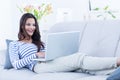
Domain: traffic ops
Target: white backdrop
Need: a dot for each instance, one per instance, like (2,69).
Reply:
(9,15)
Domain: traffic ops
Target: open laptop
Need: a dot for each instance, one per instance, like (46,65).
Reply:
(60,44)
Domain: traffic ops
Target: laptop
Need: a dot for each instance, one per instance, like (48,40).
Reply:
(60,44)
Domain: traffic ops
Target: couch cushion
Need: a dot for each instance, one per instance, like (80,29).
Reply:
(7,64)
(117,54)
(25,74)
(59,76)
(69,26)
(12,74)
(93,78)
(100,38)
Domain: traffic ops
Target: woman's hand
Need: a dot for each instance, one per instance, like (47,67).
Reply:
(40,54)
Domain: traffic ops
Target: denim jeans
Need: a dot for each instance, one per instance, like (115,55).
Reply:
(115,75)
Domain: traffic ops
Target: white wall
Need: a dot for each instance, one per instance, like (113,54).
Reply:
(10,15)
(5,22)
(77,9)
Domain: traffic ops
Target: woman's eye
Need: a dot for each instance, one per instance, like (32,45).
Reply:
(30,24)
(34,25)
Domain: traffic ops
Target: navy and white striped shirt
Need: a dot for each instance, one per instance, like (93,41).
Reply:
(21,54)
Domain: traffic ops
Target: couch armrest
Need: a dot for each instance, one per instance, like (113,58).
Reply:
(2,57)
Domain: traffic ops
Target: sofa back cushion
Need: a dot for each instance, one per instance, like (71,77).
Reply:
(97,38)
(68,26)
(117,54)
(100,38)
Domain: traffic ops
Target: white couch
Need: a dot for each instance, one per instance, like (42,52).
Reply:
(97,38)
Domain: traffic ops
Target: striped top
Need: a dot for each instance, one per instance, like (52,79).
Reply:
(21,54)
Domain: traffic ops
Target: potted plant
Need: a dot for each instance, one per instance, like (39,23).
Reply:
(103,12)
(39,12)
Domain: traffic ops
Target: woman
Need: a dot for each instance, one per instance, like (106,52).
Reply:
(29,46)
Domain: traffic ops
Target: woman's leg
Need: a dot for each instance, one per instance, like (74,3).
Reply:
(99,63)
(66,63)
(76,61)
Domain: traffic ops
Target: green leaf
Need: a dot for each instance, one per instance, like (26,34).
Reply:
(99,15)
(106,8)
(36,13)
(21,10)
(113,16)
(96,9)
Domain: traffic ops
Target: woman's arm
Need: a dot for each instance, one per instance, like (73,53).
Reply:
(14,57)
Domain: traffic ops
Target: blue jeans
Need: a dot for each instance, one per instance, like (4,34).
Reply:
(115,75)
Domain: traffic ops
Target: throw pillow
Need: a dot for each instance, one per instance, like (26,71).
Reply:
(7,64)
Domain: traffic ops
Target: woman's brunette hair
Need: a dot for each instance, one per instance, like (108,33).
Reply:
(36,37)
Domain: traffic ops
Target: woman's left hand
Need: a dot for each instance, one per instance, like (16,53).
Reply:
(40,54)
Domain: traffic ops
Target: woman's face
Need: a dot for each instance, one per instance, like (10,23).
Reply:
(30,26)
